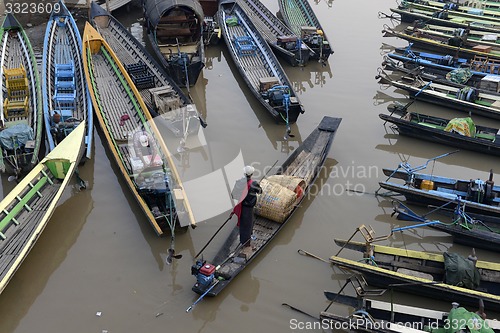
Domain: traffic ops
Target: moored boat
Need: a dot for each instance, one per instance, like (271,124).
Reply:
(465,229)
(27,208)
(257,64)
(279,36)
(299,16)
(133,139)
(409,12)
(159,92)
(466,99)
(466,48)
(175,30)
(427,274)
(457,132)
(373,315)
(66,99)
(21,101)
(303,164)
(477,196)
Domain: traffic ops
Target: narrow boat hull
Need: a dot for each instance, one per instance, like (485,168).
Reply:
(160,93)
(305,162)
(26,210)
(257,64)
(64,90)
(394,266)
(284,42)
(133,138)
(21,100)
(299,16)
(424,132)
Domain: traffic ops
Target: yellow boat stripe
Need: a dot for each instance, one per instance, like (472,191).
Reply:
(353,264)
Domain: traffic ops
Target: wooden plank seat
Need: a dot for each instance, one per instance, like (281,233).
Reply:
(22,203)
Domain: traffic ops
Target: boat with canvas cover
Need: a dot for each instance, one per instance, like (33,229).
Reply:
(175,30)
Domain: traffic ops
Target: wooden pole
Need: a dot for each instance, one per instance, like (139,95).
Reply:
(107,6)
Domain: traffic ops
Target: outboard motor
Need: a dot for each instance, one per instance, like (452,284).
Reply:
(477,190)
(205,274)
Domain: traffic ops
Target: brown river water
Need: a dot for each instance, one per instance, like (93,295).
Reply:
(99,266)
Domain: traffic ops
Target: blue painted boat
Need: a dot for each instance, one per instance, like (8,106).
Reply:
(476,195)
(66,99)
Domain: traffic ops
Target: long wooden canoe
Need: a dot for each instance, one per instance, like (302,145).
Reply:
(278,35)
(305,162)
(133,138)
(467,99)
(257,64)
(66,98)
(434,129)
(477,196)
(26,210)
(410,12)
(160,93)
(20,101)
(421,273)
(469,49)
(465,229)
(372,315)
(299,16)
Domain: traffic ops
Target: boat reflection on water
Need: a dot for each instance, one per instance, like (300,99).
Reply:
(381,98)
(315,74)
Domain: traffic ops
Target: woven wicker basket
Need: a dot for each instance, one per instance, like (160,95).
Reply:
(292,183)
(277,201)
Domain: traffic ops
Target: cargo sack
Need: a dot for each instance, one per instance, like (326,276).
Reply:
(460,271)
(462,126)
(277,201)
(232,21)
(461,320)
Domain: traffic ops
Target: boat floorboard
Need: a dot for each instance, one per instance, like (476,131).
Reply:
(16,237)
(253,65)
(129,54)
(115,102)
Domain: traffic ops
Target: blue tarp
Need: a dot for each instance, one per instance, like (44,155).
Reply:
(18,134)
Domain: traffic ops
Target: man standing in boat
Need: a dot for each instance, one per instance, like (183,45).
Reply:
(245,190)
